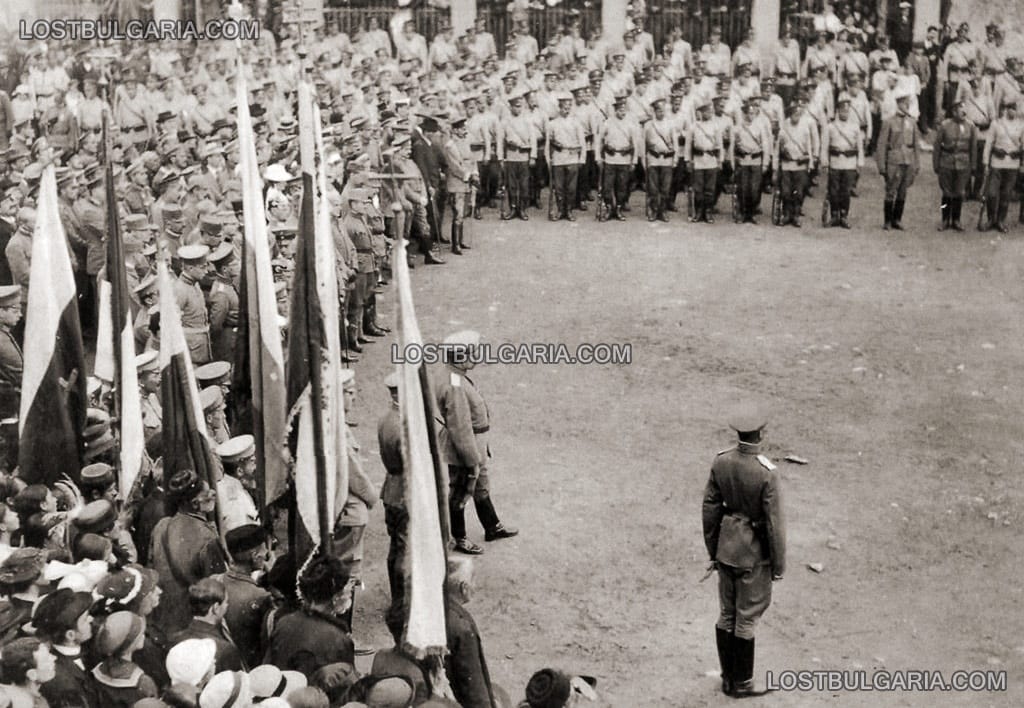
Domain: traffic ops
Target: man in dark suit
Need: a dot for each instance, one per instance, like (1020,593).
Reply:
(426,153)
(248,603)
(62,620)
(208,601)
(184,548)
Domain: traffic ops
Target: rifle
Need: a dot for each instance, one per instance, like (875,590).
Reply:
(733,189)
(691,207)
(551,192)
(777,200)
(602,209)
(826,206)
(505,209)
(983,209)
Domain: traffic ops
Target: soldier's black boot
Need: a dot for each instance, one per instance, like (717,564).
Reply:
(944,208)
(476,212)
(724,641)
(456,246)
(353,339)
(462,237)
(843,220)
(897,214)
(887,209)
(743,671)
(494,530)
(958,205)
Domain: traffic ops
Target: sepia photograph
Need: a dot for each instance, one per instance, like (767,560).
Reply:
(529,354)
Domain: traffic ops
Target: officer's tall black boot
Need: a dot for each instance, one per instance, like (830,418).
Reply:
(353,337)
(897,214)
(462,236)
(743,675)
(725,658)
(958,205)
(945,209)
(1000,216)
(457,516)
(456,246)
(494,530)
(887,209)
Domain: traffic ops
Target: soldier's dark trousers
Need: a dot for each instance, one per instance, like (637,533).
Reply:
(792,185)
(538,180)
(616,185)
(1001,186)
(725,175)
(491,177)
(659,189)
(488,184)
(974,189)
(953,184)
(786,92)
(748,189)
(876,125)
(457,481)
(743,595)
(680,181)
(704,182)
(397,521)
(565,182)
(840,183)
(587,180)
(518,175)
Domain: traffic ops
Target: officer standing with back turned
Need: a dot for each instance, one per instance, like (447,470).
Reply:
(745,535)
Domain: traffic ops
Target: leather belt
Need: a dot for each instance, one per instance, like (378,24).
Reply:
(482,430)
(982,126)
(133,128)
(516,148)
(560,148)
(843,153)
(614,151)
(659,153)
(364,250)
(701,153)
(802,161)
(786,75)
(741,153)
(476,146)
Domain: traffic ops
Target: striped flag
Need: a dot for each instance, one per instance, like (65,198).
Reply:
(122,346)
(53,395)
(186,444)
(425,495)
(258,381)
(314,355)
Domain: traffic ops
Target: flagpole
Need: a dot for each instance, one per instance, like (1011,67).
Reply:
(116,317)
(435,455)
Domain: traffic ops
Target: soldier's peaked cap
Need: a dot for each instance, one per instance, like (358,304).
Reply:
(748,419)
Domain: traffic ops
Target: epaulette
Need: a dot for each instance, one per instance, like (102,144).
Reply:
(765,462)
(722,452)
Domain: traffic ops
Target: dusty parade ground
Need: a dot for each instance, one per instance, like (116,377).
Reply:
(892,362)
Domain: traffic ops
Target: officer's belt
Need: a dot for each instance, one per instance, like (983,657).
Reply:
(743,153)
(476,146)
(1000,153)
(994,71)
(659,153)
(701,153)
(364,250)
(481,430)
(982,126)
(786,74)
(516,148)
(564,148)
(843,153)
(615,151)
(948,151)
(801,161)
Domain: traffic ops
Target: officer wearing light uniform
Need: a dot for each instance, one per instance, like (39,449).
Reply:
(751,158)
(786,66)
(238,483)
(745,535)
(794,153)
(618,149)
(460,176)
(564,148)
(980,111)
(517,149)
(1004,147)
(842,154)
(660,158)
(704,154)
(223,305)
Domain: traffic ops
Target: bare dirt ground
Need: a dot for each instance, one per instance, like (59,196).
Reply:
(891,361)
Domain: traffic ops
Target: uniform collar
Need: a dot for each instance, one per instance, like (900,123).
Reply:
(749,448)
